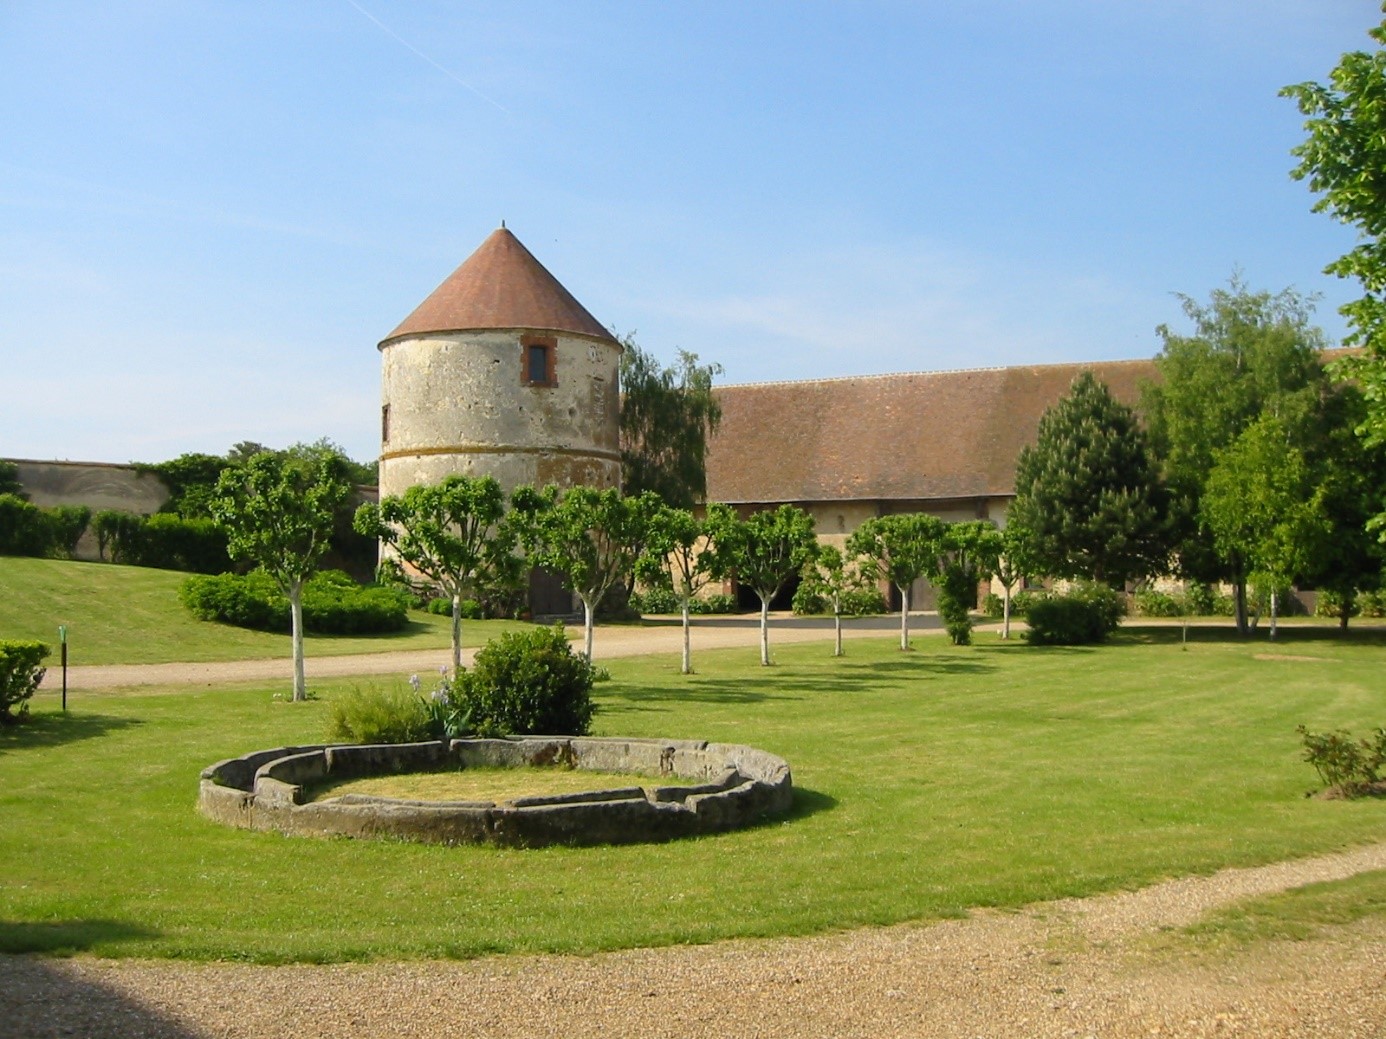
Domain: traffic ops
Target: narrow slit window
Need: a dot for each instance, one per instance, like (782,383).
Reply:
(538,362)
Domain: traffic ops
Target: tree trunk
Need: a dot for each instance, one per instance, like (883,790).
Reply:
(764,631)
(296,613)
(1006,614)
(456,634)
(837,633)
(588,623)
(904,616)
(1275,608)
(1344,612)
(687,642)
(1239,605)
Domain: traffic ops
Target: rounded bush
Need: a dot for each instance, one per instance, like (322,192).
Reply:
(1088,613)
(528,682)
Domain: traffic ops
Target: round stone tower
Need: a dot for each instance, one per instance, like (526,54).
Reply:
(500,372)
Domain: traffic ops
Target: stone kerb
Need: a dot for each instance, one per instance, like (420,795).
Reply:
(264,790)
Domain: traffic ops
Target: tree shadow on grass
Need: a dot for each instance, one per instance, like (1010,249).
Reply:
(53,730)
(66,937)
(1226,634)
(43,998)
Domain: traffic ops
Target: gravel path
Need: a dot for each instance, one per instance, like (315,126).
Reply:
(1072,968)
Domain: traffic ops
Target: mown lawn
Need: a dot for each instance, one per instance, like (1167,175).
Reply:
(131,615)
(928,783)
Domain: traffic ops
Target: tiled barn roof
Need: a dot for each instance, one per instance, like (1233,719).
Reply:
(501,285)
(930,435)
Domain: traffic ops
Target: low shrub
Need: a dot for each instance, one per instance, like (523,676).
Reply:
(957,595)
(1022,600)
(528,682)
(333,604)
(713,604)
(468,609)
(808,603)
(1086,614)
(1151,602)
(655,600)
(1350,767)
(375,715)
(21,670)
(993,606)
(862,602)
(163,541)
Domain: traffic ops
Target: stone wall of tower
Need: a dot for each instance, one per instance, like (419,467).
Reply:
(458,402)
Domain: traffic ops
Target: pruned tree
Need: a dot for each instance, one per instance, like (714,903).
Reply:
(970,552)
(667,415)
(1088,493)
(592,537)
(1262,506)
(835,577)
(901,548)
(1344,160)
(451,533)
(682,547)
(1009,566)
(277,513)
(763,552)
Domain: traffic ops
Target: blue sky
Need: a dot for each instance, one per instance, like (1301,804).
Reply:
(212,210)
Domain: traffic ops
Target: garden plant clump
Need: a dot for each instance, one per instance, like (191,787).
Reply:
(1348,767)
(1086,614)
(526,682)
(21,670)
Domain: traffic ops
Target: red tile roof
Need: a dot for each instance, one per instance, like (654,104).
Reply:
(931,435)
(501,285)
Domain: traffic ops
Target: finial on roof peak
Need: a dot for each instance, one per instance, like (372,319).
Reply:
(502,225)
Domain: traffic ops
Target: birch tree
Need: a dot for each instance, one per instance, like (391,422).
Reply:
(764,551)
(684,549)
(902,548)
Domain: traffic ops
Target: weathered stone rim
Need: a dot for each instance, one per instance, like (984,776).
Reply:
(264,790)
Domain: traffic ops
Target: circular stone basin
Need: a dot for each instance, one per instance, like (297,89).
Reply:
(731,786)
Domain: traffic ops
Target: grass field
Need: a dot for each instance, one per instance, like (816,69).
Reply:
(928,783)
(131,615)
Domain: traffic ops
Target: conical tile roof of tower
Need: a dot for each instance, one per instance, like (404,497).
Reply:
(501,285)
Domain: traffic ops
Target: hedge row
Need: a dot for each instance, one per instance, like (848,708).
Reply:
(163,541)
(333,604)
(27,530)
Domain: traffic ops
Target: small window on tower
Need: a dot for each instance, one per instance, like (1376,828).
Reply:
(384,423)
(539,362)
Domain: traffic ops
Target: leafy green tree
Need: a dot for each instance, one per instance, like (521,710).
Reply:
(901,548)
(1088,493)
(592,537)
(1344,160)
(1262,507)
(667,415)
(1250,353)
(1005,558)
(451,533)
(682,548)
(763,552)
(835,577)
(277,513)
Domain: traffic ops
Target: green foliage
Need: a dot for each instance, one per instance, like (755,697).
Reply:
(993,606)
(655,600)
(971,550)
(1342,159)
(713,604)
(21,671)
(190,479)
(1086,614)
(807,601)
(452,533)
(467,609)
(163,541)
(1088,494)
(957,596)
(667,415)
(528,682)
(1350,767)
(9,480)
(333,604)
(837,584)
(592,537)
(66,525)
(24,529)
(372,714)
(1151,602)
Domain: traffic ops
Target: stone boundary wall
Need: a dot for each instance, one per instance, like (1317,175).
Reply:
(264,790)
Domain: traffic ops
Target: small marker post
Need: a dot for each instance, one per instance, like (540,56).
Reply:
(62,638)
